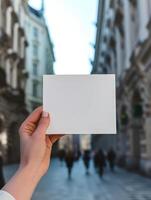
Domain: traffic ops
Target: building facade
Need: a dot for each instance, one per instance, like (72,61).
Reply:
(39,54)
(13,77)
(26,53)
(123,47)
(104,61)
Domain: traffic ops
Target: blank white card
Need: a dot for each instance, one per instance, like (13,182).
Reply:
(80,104)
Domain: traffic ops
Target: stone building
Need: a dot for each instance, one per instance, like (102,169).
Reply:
(26,53)
(13,77)
(39,54)
(128,45)
(104,61)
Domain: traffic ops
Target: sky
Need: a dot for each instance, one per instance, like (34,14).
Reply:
(72,29)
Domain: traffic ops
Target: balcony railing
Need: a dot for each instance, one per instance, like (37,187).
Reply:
(119,16)
(5,41)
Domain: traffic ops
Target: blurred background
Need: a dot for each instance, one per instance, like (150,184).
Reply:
(80,37)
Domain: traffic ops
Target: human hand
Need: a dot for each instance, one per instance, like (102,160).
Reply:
(36,149)
(35,145)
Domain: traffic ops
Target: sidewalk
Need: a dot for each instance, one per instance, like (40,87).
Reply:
(119,186)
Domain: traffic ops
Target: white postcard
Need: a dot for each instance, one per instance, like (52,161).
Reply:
(80,104)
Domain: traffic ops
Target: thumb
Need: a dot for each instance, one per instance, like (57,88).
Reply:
(43,123)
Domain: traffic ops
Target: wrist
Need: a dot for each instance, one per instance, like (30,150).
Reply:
(25,180)
(31,171)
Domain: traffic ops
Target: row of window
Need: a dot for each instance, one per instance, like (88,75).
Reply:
(35,51)
(35,64)
(35,88)
(35,32)
(35,69)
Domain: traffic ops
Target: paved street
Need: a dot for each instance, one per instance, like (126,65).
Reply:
(119,186)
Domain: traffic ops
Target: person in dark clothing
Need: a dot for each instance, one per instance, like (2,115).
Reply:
(100,162)
(86,160)
(61,155)
(69,159)
(96,160)
(111,156)
(77,155)
(2,182)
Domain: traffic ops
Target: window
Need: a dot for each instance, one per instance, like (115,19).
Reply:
(35,88)
(35,69)
(137,108)
(35,32)
(35,50)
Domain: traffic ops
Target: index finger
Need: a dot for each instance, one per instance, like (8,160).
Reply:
(34,116)
(32,119)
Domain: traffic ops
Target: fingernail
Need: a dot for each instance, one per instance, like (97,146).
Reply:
(45,114)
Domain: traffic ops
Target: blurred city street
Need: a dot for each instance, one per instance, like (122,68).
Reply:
(120,185)
(43,37)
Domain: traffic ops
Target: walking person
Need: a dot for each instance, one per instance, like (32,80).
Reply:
(77,155)
(61,155)
(69,159)
(96,160)
(86,160)
(111,156)
(101,162)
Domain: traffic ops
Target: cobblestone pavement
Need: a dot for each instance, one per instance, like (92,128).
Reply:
(121,185)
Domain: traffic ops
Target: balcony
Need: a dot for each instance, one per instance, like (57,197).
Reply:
(21,31)
(16,96)
(26,43)
(3,83)
(12,54)
(107,59)
(112,42)
(15,17)
(5,41)
(119,16)
(25,74)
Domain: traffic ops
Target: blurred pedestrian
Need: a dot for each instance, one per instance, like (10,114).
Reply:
(77,155)
(2,182)
(86,160)
(96,160)
(69,159)
(101,160)
(111,156)
(61,155)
